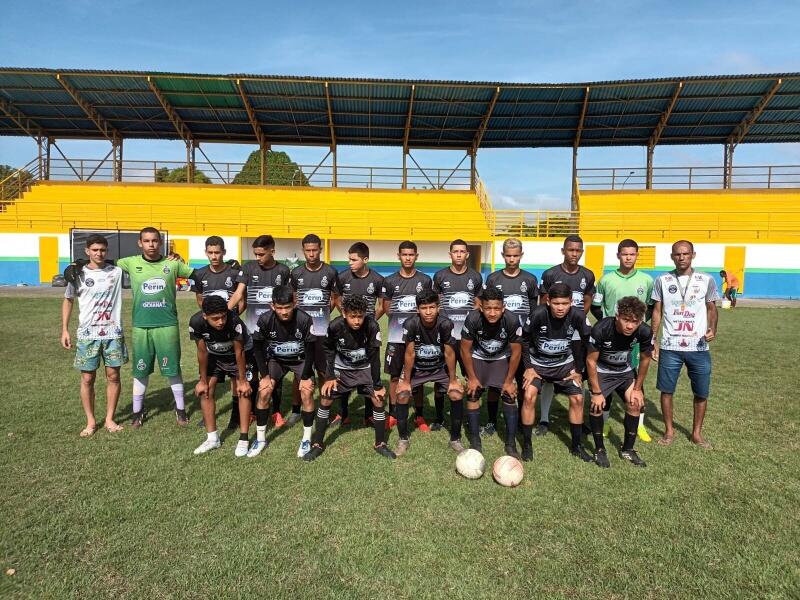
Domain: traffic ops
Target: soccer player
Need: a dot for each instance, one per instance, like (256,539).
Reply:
(352,350)
(284,344)
(552,353)
(399,293)
(612,344)
(458,287)
(684,305)
(98,287)
(360,280)
(222,344)
(581,281)
(429,358)
(155,321)
(626,281)
(491,349)
(254,285)
(731,283)
(520,292)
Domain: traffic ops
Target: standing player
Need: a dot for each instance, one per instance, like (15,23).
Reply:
(98,287)
(491,349)
(222,345)
(580,280)
(284,344)
(684,304)
(360,280)
(352,350)
(399,293)
(254,285)
(626,281)
(731,283)
(520,291)
(609,363)
(458,287)
(429,358)
(552,353)
(155,321)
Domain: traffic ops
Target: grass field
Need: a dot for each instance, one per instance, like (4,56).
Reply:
(137,515)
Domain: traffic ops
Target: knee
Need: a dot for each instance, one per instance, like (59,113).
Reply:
(576,401)
(88,377)
(112,376)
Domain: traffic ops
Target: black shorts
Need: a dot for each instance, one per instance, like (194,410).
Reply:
(220,366)
(348,380)
(440,379)
(615,382)
(491,373)
(556,376)
(278,370)
(395,356)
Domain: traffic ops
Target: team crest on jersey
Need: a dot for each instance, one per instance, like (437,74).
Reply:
(370,288)
(165,270)
(273,334)
(140,365)
(570,330)
(471,285)
(228,282)
(640,291)
(583,283)
(89,282)
(255,278)
(523,288)
(419,287)
(297,334)
(672,289)
(503,334)
(277,279)
(346,287)
(608,344)
(299,281)
(543,328)
(445,284)
(324,281)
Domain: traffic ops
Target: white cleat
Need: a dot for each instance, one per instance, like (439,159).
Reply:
(305,448)
(241,449)
(256,448)
(207,446)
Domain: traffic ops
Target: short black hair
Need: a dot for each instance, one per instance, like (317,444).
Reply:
(559,290)
(264,241)
(427,296)
(458,242)
(311,238)
(407,245)
(573,238)
(213,305)
(631,306)
(354,303)
(96,238)
(215,240)
(282,294)
(149,230)
(722,273)
(679,242)
(359,248)
(491,293)
(627,243)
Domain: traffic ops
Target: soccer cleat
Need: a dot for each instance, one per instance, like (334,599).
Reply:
(606,429)
(181,417)
(293,419)
(277,420)
(421,424)
(391,422)
(642,434)
(137,419)
(457,446)
(437,426)
(383,450)
(475,444)
(542,428)
(256,448)
(334,422)
(207,446)
(512,451)
(241,450)
(527,452)
(402,447)
(488,430)
(581,453)
(304,448)
(368,422)
(601,458)
(314,453)
(632,457)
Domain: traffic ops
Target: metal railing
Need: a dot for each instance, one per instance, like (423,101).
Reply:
(672,178)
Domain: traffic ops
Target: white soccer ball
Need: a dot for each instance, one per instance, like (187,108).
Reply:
(507,471)
(470,464)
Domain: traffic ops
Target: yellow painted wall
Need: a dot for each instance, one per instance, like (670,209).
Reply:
(594,259)
(734,263)
(48,258)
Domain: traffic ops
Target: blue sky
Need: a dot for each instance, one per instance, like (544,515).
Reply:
(509,41)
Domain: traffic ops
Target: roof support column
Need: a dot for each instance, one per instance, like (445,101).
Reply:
(662,125)
(47,159)
(190,156)
(727,173)
(576,144)
(473,168)
(334,179)
(405,170)
(648,182)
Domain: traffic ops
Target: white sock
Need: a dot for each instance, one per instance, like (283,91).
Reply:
(176,385)
(606,415)
(261,433)
(545,401)
(139,390)
(213,436)
(306,434)
(641,419)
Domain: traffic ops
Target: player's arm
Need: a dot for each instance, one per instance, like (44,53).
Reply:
(597,311)
(385,304)
(712,315)
(598,400)
(198,296)
(242,386)
(201,389)
(238,297)
(404,385)
(466,355)
(587,303)
(510,385)
(655,324)
(528,339)
(66,313)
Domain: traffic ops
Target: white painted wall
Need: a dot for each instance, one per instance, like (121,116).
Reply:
(197,246)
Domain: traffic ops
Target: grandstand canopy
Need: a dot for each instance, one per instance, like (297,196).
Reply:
(324,111)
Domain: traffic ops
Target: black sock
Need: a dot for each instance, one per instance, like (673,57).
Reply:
(527,433)
(596,423)
(234,409)
(276,399)
(262,416)
(379,419)
(243,437)
(345,409)
(492,407)
(296,409)
(419,411)
(456,419)
(308,417)
(631,426)
(402,420)
(473,422)
(369,410)
(511,417)
(438,400)
(321,424)
(392,409)
(577,433)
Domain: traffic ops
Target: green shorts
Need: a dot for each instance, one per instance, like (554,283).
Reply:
(87,357)
(162,344)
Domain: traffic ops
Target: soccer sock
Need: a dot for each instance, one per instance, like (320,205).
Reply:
(527,433)
(402,421)
(369,410)
(596,423)
(456,419)
(323,414)
(243,437)
(296,409)
(212,436)
(473,423)
(379,418)
(419,411)
(606,416)
(511,417)
(139,390)
(630,432)
(545,400)
(492,407)
(308,422)
(235,409)
(641,419)
(392,409)
(438,400)
(262,418)
(345,412)
(277,394)
(577,432)
(176,385)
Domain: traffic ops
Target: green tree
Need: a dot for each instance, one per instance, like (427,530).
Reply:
(281,170)
(165,175)
(12,187)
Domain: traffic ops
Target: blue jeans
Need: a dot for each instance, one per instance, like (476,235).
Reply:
(698,367)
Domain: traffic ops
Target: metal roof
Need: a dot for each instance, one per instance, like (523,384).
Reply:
(283,110)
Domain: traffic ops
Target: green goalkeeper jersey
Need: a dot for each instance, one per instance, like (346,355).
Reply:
(153,286)
(615,285)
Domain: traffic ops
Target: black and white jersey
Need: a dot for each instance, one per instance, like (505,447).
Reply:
(353,350)
(491,341)
(615,348)
(287,342)
(457,293)
(219,342)
(209,283)
(260,282)
(520,292)
(548,341)
(402,295)
(314,290)
(368,286)
(429,342)
(580,282)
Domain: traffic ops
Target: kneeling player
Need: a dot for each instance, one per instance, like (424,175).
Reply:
(609,365)
(352,350)
(222,341)
(552,339)
(429,357)
(284,343)
(490,349)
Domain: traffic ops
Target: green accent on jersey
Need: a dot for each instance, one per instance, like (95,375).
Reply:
(153,287)
(613,286)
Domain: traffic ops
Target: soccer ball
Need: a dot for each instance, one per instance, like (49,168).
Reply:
(470,464)
(507,471)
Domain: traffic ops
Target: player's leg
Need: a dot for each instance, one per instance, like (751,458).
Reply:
(208,408)
(456,420)
(641,430)
(167,343)
(545,402)
(401,409)
(245,408)
(307,414)
(631,423)
(474,419)
(144,355)
(698,367)
(576,423)
(389,364)
(669,369)
(597,423)
(527,416)
(87,400)
(438,403)
(320,426)
(262,413)
(419,410)
(115,354)
(492,408)
(379,419)
(511,417)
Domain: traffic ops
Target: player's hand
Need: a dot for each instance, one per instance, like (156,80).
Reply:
(473,385)
(710,334)
(656,350)
(637,399)
(597,405)
(266,385)
(528,376)
(576,377)
(306,385)
(380,394)
(509,389)
(329,386)
(174,256)
(455,389)
(66,341)
(201,389)
(242,387)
